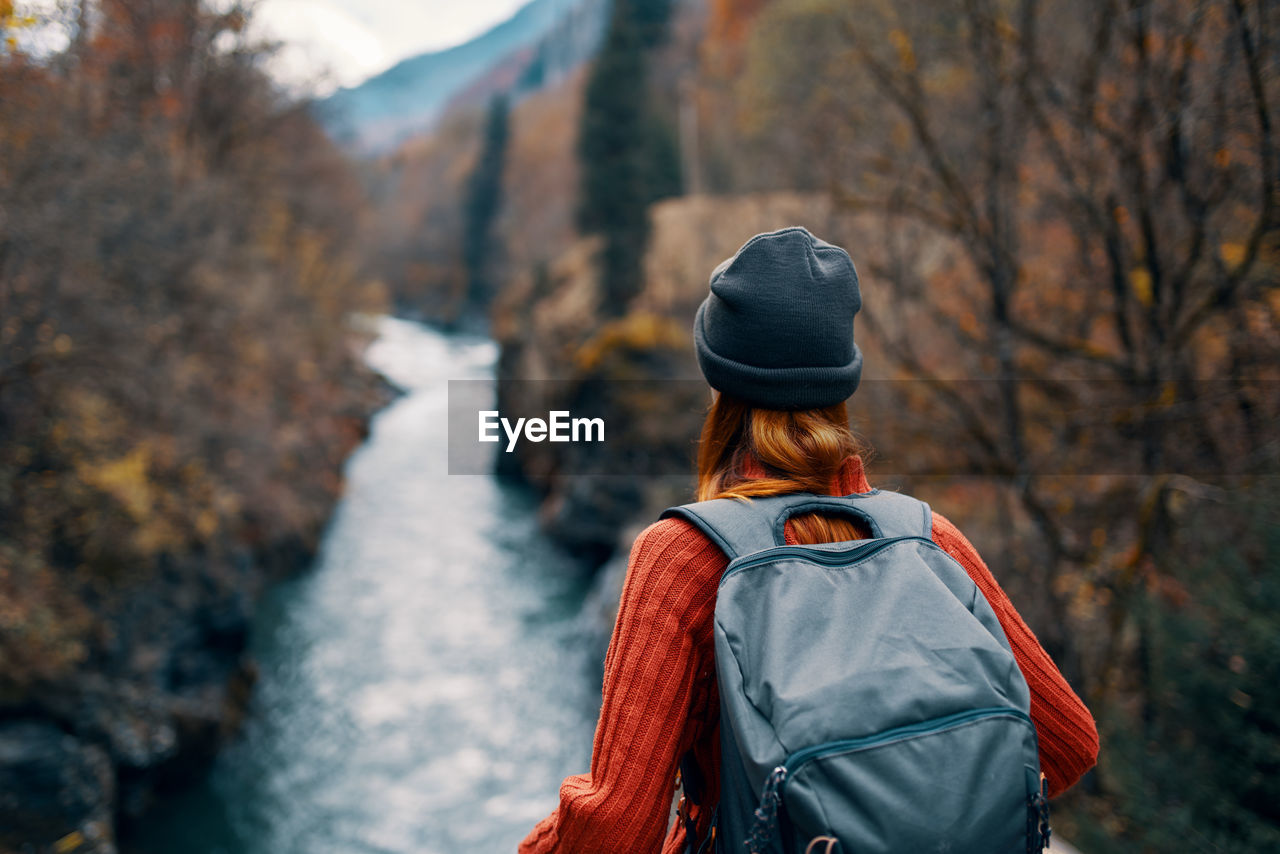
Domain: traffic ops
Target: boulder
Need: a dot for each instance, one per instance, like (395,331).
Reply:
(56,792)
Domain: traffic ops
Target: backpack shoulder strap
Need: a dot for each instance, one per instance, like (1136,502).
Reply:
(743,527)
(737,527)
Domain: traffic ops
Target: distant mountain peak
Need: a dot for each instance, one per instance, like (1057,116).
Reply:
(410,96)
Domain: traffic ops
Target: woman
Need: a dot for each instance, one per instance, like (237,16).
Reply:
(774,338)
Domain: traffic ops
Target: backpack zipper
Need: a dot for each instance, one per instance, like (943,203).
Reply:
(765,822)
(796,760)
(825,557)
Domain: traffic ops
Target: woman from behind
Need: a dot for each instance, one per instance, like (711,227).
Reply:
(775,339)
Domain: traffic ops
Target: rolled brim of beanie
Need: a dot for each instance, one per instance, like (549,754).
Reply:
(776,388)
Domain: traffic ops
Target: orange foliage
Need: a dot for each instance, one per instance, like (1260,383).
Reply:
(730,20)
(176,387)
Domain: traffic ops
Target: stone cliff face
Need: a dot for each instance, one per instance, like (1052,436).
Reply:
(639,369)
(555,355)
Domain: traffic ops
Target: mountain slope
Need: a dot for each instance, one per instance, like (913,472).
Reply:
(408,96)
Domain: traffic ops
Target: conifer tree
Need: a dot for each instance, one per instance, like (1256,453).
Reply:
(627,154)
(483,200)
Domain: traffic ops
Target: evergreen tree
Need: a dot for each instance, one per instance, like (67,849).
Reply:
(627,154)
(484,198)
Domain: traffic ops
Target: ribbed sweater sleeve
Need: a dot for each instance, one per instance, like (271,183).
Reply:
(656,674)
(1065,729)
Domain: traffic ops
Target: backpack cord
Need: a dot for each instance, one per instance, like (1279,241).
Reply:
(830,841)
(691,845)
(708,844)
(767,813)
(690,782)
(1040,816)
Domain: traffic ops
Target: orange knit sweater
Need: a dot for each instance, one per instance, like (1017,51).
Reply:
(661,700)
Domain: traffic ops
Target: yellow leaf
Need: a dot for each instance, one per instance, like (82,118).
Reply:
(1232,253)
(125,479)
(636,332)
(1006,30)
(902,44)
(1140,279)
(207,523)
(70,842)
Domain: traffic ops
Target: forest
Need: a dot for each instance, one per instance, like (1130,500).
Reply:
(1065,216)
(178,388)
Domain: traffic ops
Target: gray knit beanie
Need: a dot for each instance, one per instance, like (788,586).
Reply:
(777,328)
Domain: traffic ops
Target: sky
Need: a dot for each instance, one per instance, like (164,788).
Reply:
(329,43)
(325,43)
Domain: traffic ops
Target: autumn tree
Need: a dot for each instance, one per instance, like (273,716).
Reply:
(1072,208)
(177,384)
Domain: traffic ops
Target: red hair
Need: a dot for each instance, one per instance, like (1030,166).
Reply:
(800,451)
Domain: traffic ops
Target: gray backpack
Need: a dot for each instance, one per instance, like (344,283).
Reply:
(869,700)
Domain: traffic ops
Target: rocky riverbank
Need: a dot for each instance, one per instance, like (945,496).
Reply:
(160,681)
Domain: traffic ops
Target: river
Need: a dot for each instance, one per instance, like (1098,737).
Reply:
(428,683)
